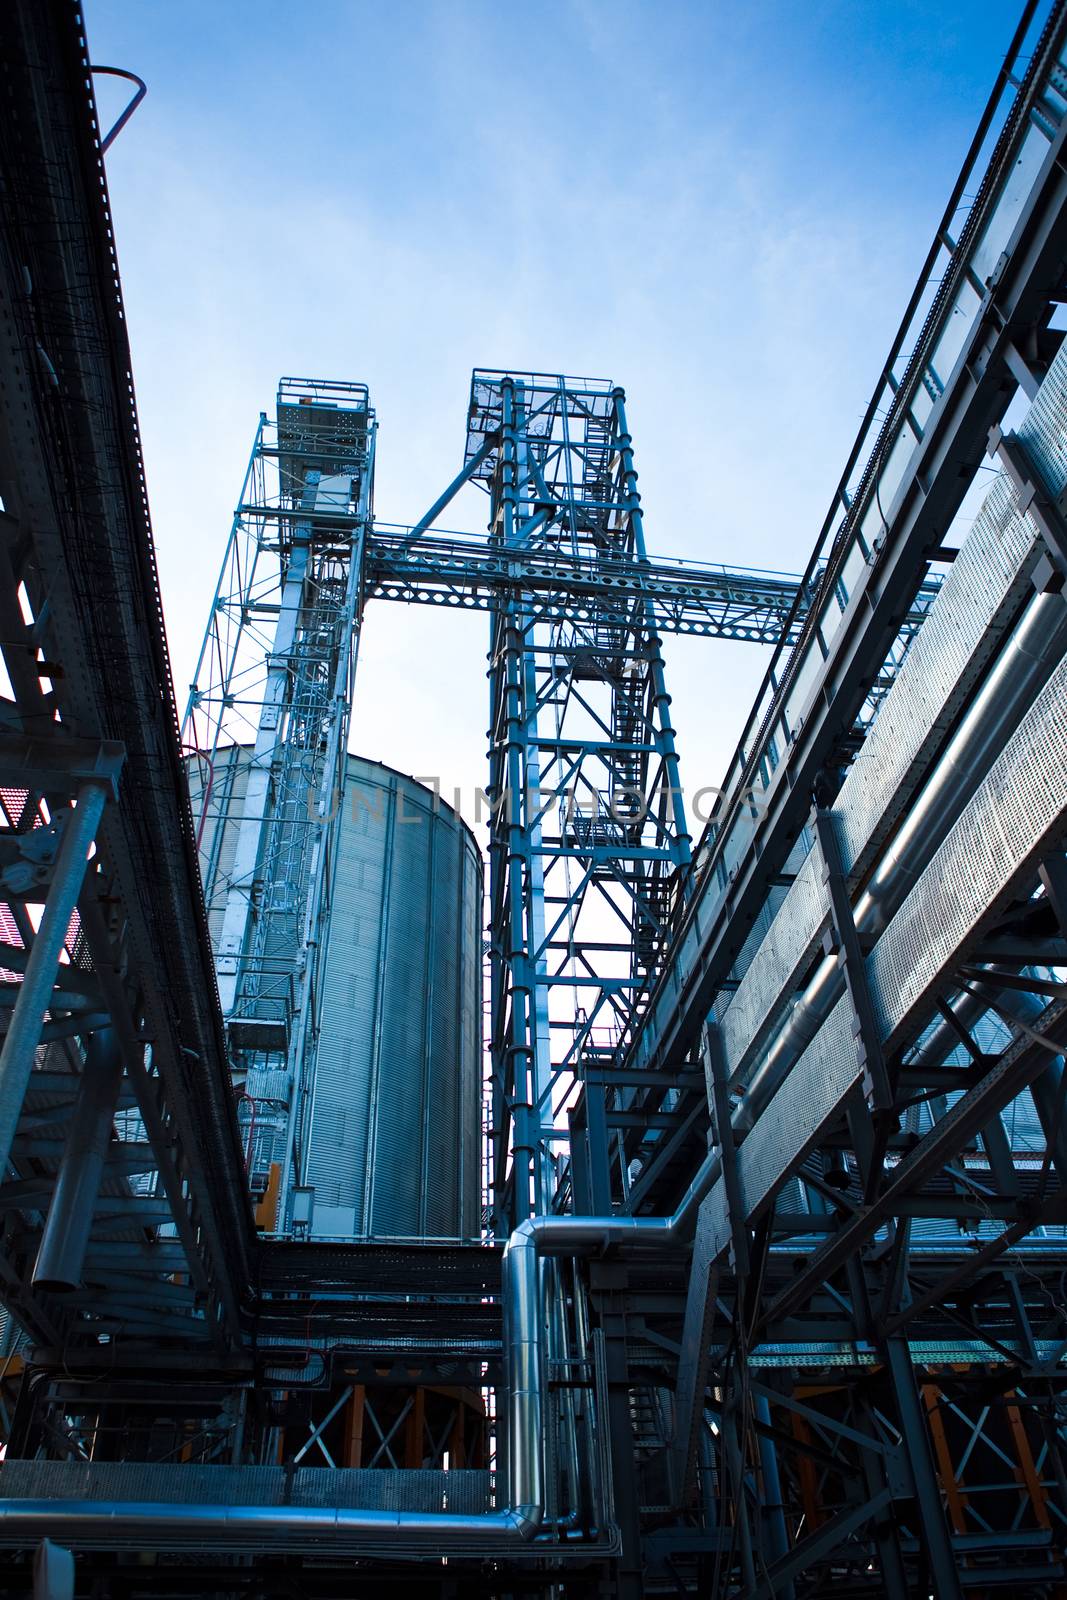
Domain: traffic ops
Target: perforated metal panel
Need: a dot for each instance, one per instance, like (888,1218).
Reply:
(1044,431)
(1015,816)
(774,968)
(974,607)
(461,1492)
(977,602)
(791,1122)
(810,1095)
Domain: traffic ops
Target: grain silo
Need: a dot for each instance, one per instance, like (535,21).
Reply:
(389,1096)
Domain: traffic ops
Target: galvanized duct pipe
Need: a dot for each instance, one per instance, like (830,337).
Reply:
(1036,646)
(559,1351)
(235,1528)
(773,1505)
(139,1524)
(524,1337)
(61,1255)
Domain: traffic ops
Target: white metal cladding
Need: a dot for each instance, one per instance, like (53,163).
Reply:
(966,622)
(1014,818)
(1044,431)
(394,1136)
(975,605)
(777,964)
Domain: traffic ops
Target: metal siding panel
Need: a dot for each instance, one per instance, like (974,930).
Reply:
(398,1084)
(401,1100)
(964,626)
(1014,814)
(970,614)
(444,1147)
(471,974)
(397,1102)
(338,1135)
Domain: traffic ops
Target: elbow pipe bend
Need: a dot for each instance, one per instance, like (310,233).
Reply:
(102,1524)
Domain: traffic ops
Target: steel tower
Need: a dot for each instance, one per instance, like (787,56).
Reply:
(588,838)
(790,1317)
(588,832)
(276,670)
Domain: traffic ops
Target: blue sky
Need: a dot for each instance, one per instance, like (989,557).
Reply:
(722,207)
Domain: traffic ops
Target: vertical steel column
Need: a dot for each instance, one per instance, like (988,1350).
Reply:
(937,1541)
(27,1018)
(846,946)
(597,1145)
(61,1255)
(682,840)
(733,1437)
(608,1286)
(540,1075)
(516,1068)
(327,808)
(700,1294)
(873,1463)
(772,1508)
(694,1357)
(500,967)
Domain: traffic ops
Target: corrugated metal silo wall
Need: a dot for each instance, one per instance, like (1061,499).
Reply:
(394,1141)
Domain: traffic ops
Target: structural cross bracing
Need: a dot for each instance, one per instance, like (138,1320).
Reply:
(792,1102)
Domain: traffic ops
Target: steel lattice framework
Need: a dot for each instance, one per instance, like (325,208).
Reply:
(789,1108)
(588,824)
(276,672)
(587,819)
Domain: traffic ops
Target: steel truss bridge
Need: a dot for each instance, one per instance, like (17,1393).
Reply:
(778,1136)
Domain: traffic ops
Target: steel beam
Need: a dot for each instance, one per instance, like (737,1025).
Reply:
(68,1225)
(720,915)
(24,1030)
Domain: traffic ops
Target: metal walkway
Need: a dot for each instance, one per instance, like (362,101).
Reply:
(845,1014)
(89,730)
